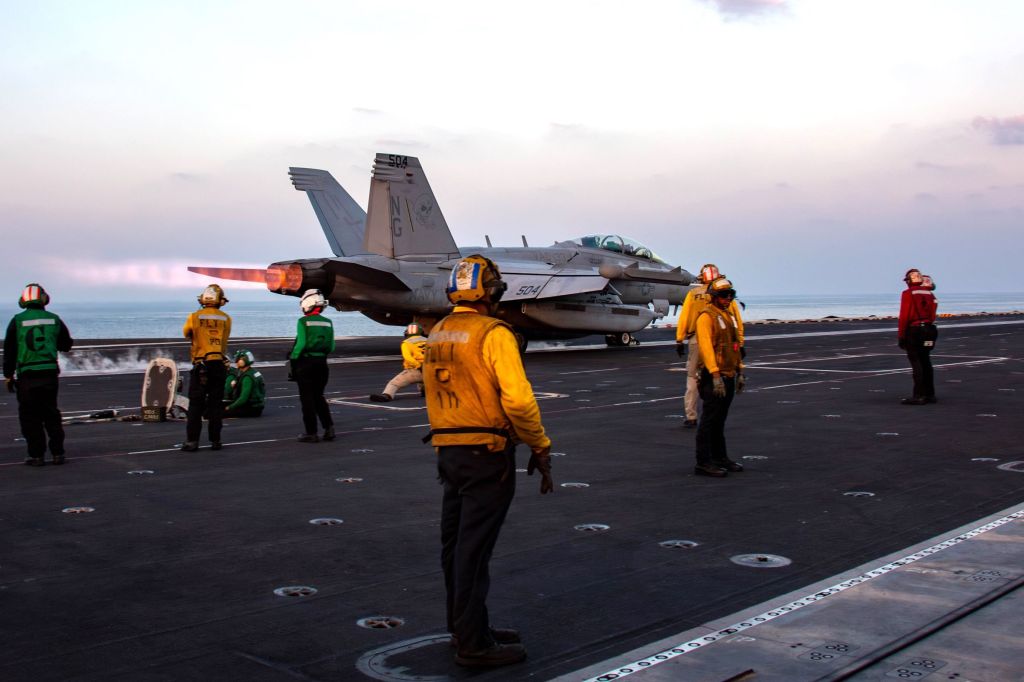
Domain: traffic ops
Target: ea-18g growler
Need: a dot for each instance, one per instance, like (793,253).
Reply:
(392,262)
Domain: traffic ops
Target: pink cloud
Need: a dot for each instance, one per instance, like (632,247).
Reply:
(1003,131)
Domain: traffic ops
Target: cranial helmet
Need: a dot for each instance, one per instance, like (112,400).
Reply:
(212,297)
(709,273)
(34,295)
(413,330)
(722,287)
(913,276)
(246,356)
(312,299)
(474,278)
(927,282)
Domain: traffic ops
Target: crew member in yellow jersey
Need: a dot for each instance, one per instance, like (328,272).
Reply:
(686,335)
(414,345)
(480,404)
(721,377)
(209,329)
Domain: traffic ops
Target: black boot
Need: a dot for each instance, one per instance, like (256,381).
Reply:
(709,470)
(491,657)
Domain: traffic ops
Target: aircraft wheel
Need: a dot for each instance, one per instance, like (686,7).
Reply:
(623,339)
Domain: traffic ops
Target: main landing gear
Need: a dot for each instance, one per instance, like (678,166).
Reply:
(621,339)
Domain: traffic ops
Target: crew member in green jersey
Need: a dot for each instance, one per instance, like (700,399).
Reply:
(314,341)
(245,392)
(33,339)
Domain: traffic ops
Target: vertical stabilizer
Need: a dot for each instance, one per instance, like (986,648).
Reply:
(404,218)
(342,219)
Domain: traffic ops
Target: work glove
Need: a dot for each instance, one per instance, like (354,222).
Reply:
(540,460)
(12,385)
(681,349)
(718,388)
(741,382)
(902,343)
(291,370)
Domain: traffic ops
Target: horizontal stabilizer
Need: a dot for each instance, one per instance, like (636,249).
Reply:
(235,274)
(366,275)
(341,218)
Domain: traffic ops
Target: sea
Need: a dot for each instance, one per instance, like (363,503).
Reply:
(276,316)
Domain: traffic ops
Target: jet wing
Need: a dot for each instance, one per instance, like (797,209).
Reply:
(538,280)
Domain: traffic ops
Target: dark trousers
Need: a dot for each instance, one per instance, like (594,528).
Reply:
(205,399)
(38,413)
(244,411)
(478,490)
(311,375)
(711,428)
(919,355)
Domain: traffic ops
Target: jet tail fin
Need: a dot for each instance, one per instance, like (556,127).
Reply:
(342,219)
(404,218)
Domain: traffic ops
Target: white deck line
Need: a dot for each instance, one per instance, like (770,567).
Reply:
(771,610)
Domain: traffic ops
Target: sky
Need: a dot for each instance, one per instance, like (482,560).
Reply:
(802,145)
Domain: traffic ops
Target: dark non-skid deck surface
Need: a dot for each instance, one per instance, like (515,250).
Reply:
(173,575)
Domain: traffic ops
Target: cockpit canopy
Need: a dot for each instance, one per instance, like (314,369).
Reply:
(617,244)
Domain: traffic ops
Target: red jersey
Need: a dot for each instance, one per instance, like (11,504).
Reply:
(917,305)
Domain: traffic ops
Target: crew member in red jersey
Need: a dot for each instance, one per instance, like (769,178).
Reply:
(917,335)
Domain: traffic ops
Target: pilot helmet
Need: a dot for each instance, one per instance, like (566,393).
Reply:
(34,296)
(709,273)
(212,297)
(474,278)
(246,357)
(913,276)
(311,300)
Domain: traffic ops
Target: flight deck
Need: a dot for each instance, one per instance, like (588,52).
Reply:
(865,539)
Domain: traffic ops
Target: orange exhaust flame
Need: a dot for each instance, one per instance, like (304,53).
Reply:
(286,278)
(259,275)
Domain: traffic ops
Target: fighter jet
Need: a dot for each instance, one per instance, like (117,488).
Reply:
(392,264)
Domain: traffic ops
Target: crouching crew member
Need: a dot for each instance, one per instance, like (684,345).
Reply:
(697,298)
(209,329)
(30,368)
(479,404)
(413,346)
(721,377)
(245,391)
(314,341)
(917,334)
